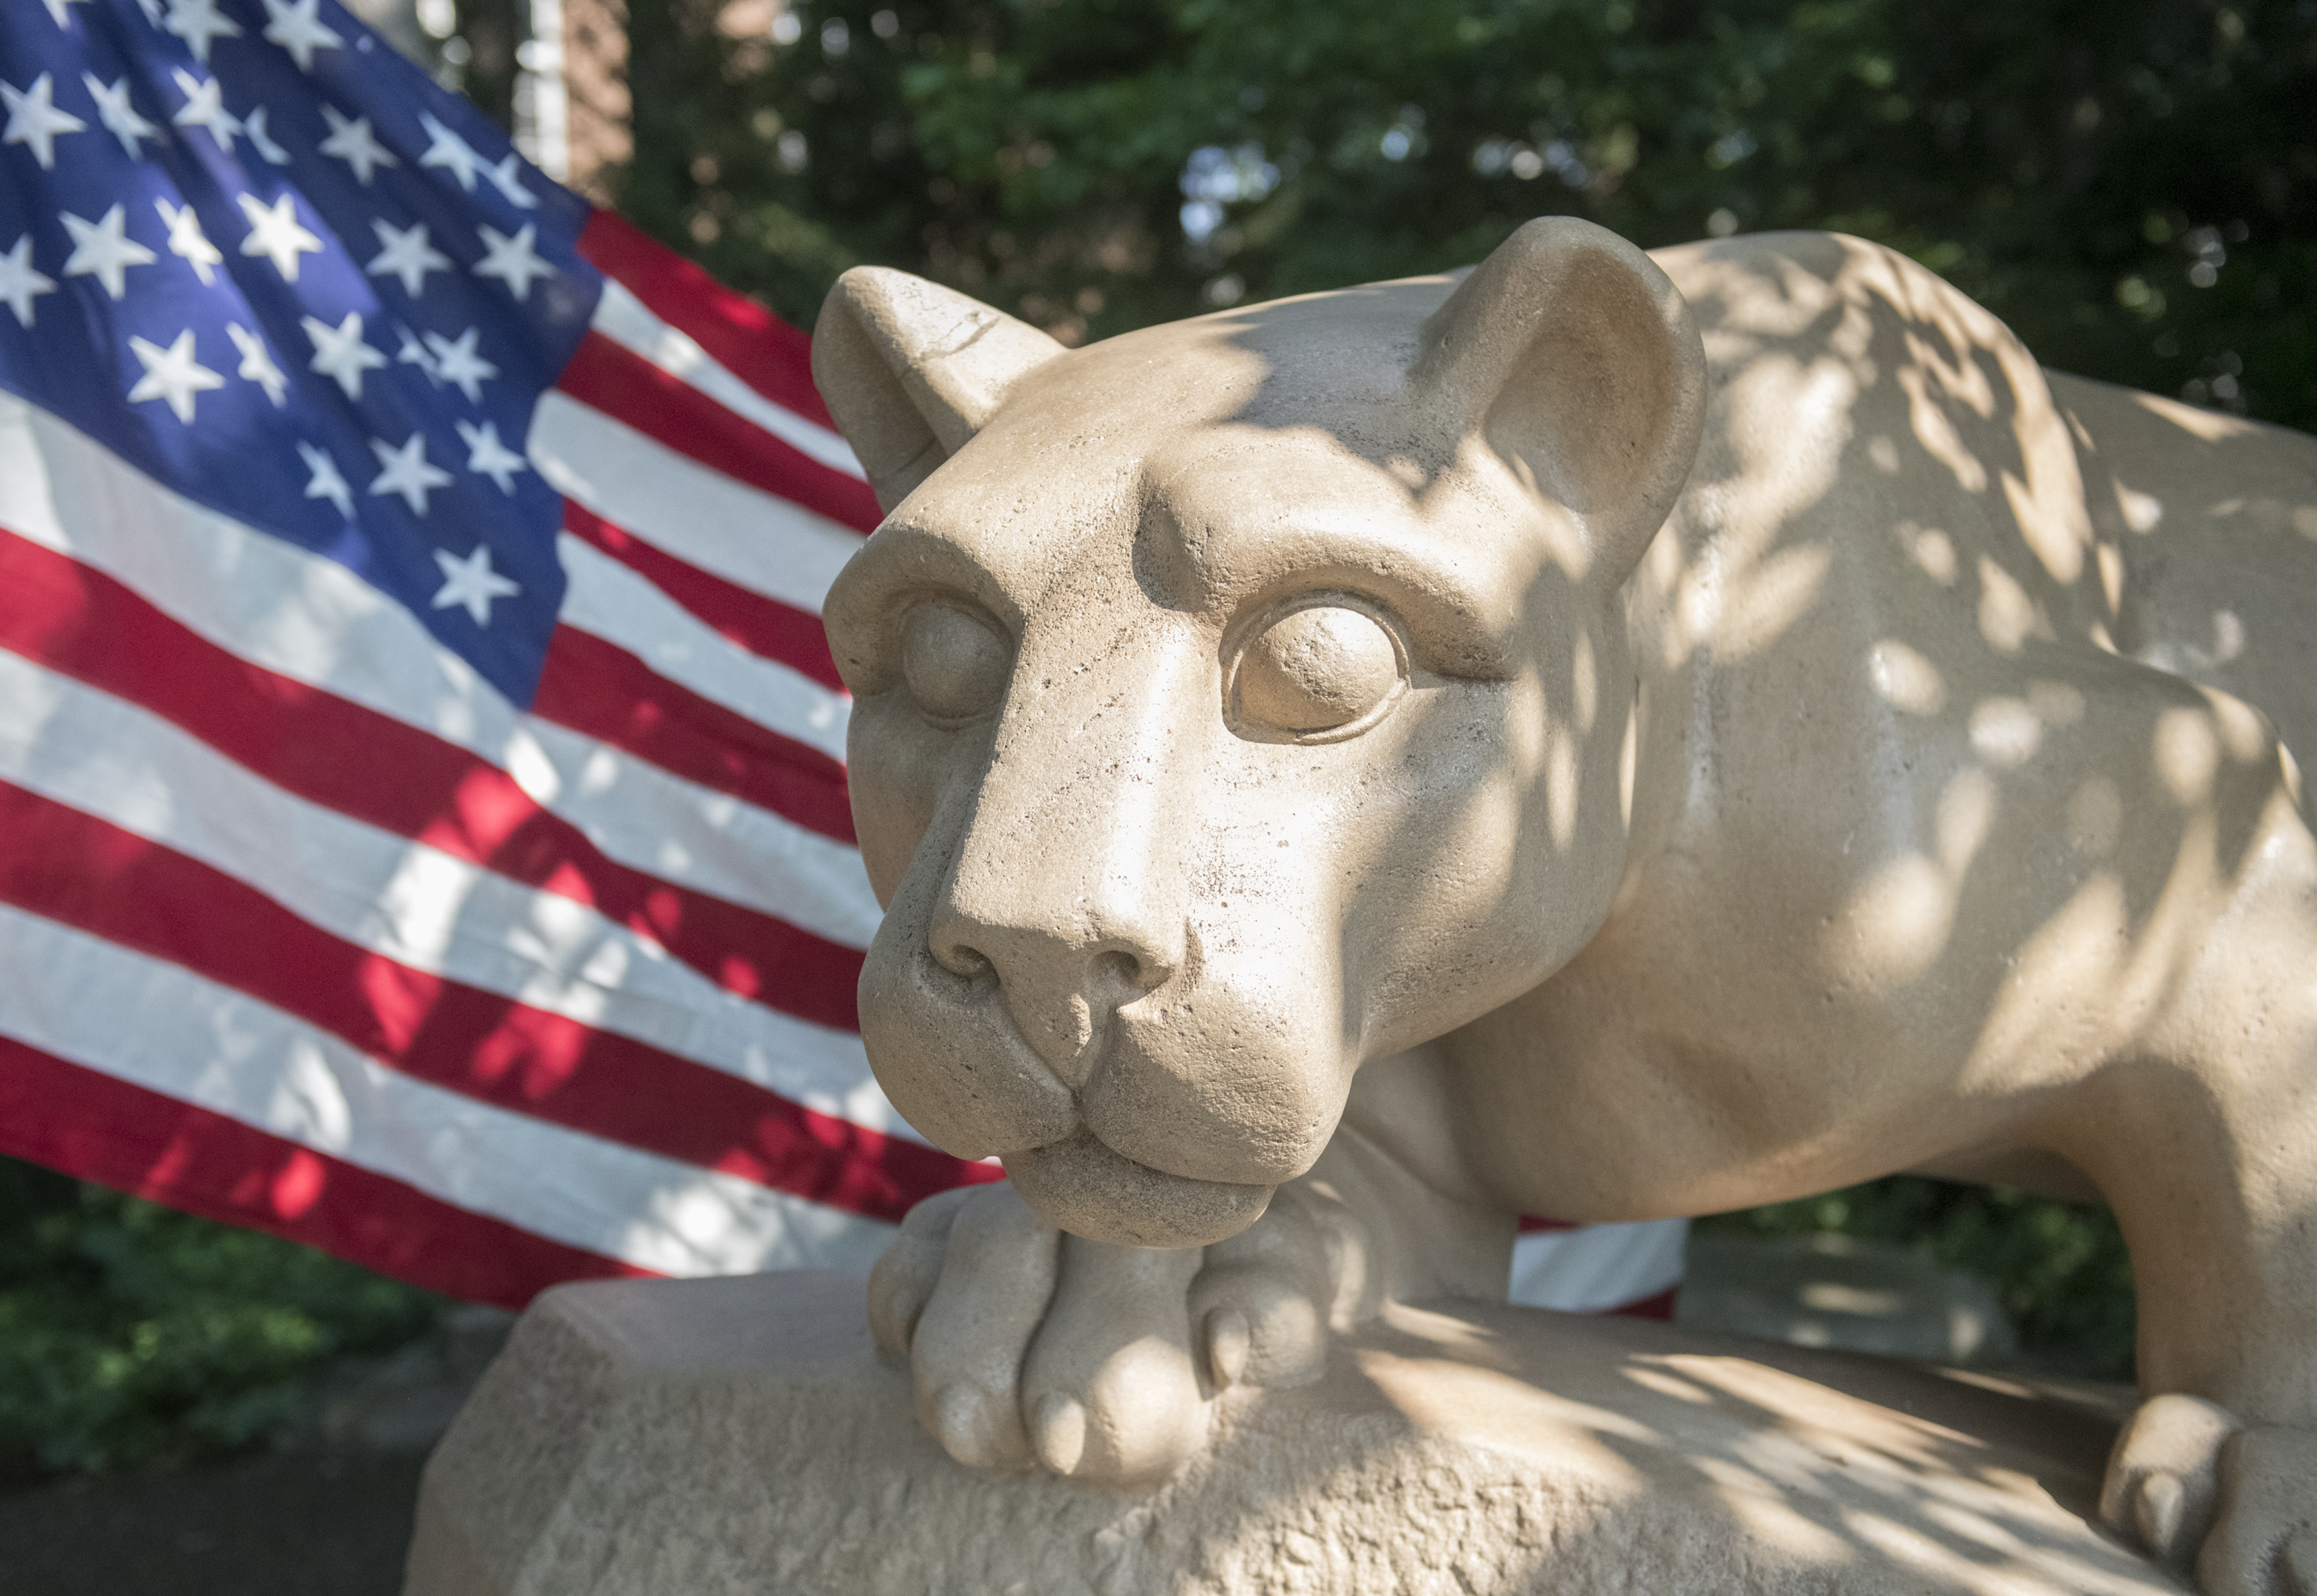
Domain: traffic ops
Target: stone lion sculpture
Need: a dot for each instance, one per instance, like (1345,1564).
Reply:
(1606,735)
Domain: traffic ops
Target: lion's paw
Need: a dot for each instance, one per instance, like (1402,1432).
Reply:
(1028,1345)
(2203,1492)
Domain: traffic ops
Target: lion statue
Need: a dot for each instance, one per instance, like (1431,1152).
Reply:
(1603,734)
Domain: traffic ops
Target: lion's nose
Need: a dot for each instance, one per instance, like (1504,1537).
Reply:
(1060,985)
(966,948)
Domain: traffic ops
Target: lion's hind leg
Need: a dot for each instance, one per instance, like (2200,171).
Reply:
(2202,1133)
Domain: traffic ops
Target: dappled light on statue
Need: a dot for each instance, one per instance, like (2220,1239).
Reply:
(1604,736)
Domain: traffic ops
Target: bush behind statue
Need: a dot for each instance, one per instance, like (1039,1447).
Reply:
(131,1334)
(2060,1269)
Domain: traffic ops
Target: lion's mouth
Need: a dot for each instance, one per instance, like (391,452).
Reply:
(1086,1189)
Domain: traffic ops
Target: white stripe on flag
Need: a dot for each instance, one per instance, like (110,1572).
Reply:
(1595,1268)
(612,602)
(704,518)
(630,323)
(226,1052)
(407,902)
(694,836)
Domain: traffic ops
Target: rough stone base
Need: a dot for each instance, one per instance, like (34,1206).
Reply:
(701,1439)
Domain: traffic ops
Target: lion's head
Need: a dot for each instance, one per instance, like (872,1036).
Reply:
(1238,700)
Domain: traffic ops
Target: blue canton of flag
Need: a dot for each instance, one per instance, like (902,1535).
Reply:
(212,261)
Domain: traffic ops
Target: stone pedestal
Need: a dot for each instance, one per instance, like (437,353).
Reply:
(722,1437)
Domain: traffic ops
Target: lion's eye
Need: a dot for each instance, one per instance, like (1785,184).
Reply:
(955,664)
(1325,668)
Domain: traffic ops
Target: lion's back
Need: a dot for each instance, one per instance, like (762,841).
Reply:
(1875,425)
(2215,522)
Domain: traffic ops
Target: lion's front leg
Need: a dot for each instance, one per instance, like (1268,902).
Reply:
(1030,1346)
(2235,1506)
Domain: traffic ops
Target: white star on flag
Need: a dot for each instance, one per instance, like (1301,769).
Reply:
(487,457)
(204,108)
(103,250)
(253,125)
(353,143)
(513,261)
(172,375)
(296,29)
(257,363)
(340,354)
(408,472)
(448,150)
(456,363)
(56,10)
(326,481)
(407,255)
(118,115)
(415,354)
(472,583)
(33,118)
(276,233)
(507,178)
(188,242)
(20,284)
(197,22)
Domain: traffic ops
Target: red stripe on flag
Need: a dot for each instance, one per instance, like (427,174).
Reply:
(601,691)
(1659,1307)
(82,623)
(631,390)
(91,1125)
(82,871)
(741,335)
(763,626)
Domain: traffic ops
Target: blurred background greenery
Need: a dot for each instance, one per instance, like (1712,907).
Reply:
(2132,187)
(2059,1270)
(131,1334)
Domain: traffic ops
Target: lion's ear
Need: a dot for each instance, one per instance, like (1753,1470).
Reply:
(911,369)
(1577,360)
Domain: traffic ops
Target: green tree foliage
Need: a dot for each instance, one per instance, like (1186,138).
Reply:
(2060,1269)
(129,1333)
(2133,188)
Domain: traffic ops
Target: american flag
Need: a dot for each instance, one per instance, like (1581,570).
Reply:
(423,826)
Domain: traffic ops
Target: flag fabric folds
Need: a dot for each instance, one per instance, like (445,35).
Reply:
(423,827)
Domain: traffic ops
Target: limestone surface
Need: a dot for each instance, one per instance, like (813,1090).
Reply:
(717,1438)
(1601,735)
